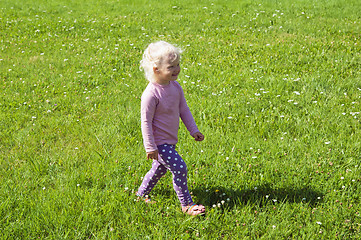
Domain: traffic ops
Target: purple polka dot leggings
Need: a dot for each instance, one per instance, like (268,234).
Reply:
(168,159)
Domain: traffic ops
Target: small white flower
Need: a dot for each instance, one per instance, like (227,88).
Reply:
(319,223)
(327,142)
(214,205)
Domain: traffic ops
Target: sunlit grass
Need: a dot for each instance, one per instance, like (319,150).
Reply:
(274,86)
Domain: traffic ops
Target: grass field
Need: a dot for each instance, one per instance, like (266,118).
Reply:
(274,86)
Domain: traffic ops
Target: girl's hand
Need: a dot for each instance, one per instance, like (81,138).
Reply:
(198,136)
(152,155)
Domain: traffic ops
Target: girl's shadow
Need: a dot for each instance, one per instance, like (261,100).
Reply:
(260,196)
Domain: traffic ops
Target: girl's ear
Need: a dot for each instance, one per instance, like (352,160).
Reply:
(155,69)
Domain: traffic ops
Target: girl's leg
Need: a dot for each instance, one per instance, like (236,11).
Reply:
(174,162)
(151,178)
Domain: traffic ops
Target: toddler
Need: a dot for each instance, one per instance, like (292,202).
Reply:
(162,104)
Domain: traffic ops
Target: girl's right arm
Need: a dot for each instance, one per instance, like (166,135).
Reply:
(148,107)
(152,155)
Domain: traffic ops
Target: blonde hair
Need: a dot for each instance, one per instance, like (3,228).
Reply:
(154,55)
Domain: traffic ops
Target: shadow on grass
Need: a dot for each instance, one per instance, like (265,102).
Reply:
(261,196)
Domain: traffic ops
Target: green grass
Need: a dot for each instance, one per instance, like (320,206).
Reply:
(274,86)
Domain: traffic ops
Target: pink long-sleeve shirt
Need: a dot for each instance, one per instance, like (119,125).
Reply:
(161,108)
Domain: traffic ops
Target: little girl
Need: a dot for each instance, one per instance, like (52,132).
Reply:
(162,104)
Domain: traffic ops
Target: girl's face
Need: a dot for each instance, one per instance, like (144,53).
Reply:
(167,71)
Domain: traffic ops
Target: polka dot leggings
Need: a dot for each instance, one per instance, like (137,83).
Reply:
(168,159)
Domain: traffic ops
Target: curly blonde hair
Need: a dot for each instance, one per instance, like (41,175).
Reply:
(154,55)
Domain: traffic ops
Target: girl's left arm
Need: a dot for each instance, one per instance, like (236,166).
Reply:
(187,117)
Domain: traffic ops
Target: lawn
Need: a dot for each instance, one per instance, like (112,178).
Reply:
(274,86)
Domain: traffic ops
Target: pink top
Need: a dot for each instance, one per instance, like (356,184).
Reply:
(161,107)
